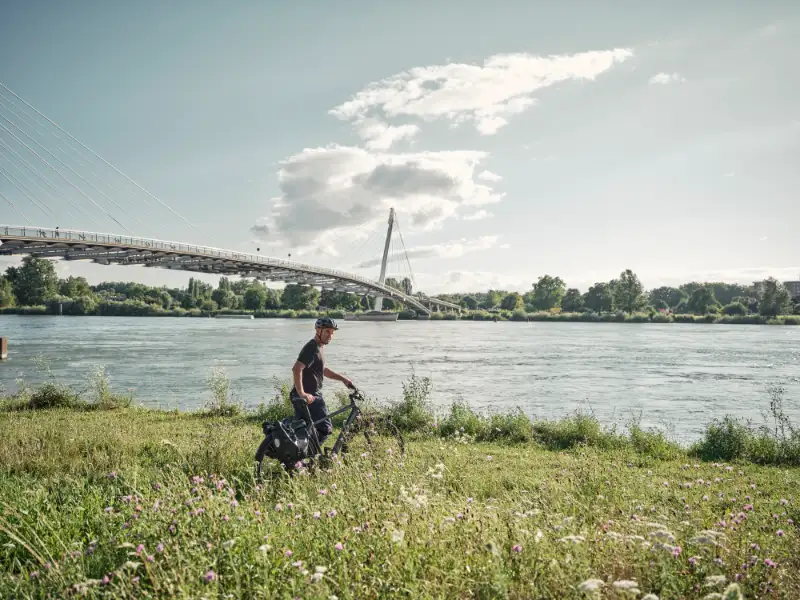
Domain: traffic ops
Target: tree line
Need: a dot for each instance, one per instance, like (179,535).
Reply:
(35,283)
(627,294)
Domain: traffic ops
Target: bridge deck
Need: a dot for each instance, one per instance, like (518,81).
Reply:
(106,248)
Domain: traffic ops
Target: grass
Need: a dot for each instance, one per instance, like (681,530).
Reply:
(132,502)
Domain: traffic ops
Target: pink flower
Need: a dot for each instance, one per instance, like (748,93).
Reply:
(139,548)
(769,563)
(316,515)
(784,501)
(210,576)
(160,548)
(779,533)
(676,550)
(516,548)
(339,546)
(288,553)
(323,492)
(332,513)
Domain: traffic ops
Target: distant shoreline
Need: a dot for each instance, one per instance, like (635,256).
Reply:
(503,316)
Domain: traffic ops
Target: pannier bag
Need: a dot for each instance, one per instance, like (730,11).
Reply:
(290,442)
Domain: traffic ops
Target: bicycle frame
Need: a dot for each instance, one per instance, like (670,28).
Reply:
(311,425)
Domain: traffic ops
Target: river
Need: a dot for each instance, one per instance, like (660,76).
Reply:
(677,376)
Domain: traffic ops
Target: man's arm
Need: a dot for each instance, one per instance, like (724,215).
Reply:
(297,375)
(334,375)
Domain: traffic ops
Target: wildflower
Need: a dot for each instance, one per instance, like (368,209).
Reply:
(676,550)
(339,546)
(316,515)
(234,503)
(34,574)
(108,509)
(693,560)
(627,585)
(516,548)
(784,502)
(160,548)
(278,507)
(150,558)
(323,492)
(288,553)
(106,580)
(748,507)
(591,585)
(713,580)
(210,576)
(332,513)
(139,548)
(112,475)
(489,458)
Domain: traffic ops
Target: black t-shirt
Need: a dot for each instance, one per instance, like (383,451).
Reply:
(311,356)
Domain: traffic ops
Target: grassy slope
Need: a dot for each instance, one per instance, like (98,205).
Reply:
(81,490)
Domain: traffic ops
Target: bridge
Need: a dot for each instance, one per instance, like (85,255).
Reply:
(112,249)
(41,164)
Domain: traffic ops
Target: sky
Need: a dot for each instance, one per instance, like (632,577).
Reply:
(514,139)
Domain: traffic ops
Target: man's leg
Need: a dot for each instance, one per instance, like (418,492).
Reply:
(319,410)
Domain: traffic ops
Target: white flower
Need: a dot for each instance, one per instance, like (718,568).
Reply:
(650,597)
(714,580)
(591,585)
(627,585)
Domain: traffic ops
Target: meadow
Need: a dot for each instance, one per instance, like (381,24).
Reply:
(100,498)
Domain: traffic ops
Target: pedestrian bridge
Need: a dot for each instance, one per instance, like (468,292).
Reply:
(108,249)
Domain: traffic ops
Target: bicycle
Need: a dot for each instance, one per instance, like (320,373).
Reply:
(294,441)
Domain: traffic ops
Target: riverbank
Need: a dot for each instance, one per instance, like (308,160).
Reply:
(517,316)
(104,498)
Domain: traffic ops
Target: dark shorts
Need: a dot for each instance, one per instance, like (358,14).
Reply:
(318,410)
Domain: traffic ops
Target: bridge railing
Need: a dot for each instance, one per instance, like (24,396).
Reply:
(110,239)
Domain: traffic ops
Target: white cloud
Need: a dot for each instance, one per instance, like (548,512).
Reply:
(489,176)
(471,281)
(478,215)
(380,136)
(343,192)
(486,95)
(666,78)
(451,249)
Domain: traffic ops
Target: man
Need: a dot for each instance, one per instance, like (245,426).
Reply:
(308,372)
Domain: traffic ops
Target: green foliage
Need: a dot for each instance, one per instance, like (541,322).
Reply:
(548,292)
(702,301)
(299,297)
(577,430)
(669,296)
(572,301)
(34,282)
(7,298)
(599,298)
(413,413)
(219,384)
(53,395)
(628,292)
(512,302)
(734,308)
(775,299)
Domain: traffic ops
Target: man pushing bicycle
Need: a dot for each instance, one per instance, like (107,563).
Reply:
(308,372)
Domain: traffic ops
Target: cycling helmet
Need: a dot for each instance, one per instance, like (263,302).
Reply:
(325,323)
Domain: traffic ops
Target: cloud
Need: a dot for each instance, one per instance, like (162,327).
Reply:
(339,192)
(489,176)
(486,95)
(471,281)
(477,215)
(329,193)
(667,78)
(451,249)
(380,136)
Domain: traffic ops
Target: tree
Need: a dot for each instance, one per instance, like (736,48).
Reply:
(659,304)
(512,301)
(469,303)
(548,292)
(300,297)
(669,295)
(775,298)
(75,287)
(35,281)
(702,301)
(598,298)
(255,297)
(572,301)
(628,292)
(734,308)
(224,297)
(6,293)
(493,298)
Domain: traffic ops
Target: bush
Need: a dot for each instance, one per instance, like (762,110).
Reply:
(53,395)
(413,413)
(724,439)
(221,403)
(734,308)
(573,431)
